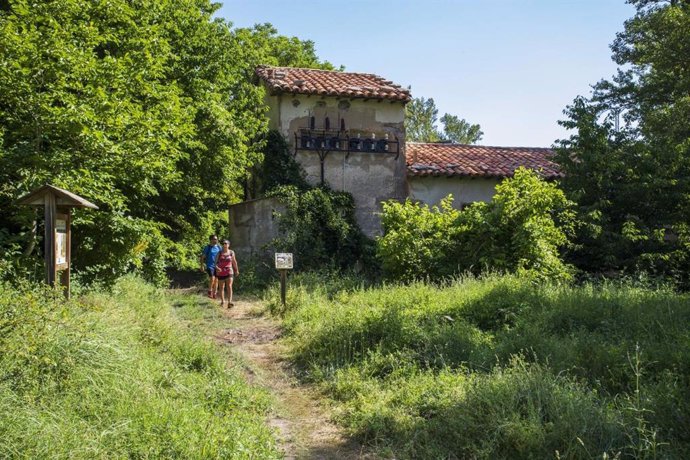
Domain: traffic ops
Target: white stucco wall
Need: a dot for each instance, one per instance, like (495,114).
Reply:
(367,115)
(431,190)
(371,177)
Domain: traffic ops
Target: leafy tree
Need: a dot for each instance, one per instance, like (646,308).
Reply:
(85,105)
(421,116)
(261,44)
(632,182)
(146,107)
(460,131)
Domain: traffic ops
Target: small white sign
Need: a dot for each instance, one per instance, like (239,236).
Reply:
(60,248)
(284,260)
(60,242)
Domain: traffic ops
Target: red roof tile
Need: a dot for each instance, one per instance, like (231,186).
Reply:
(441,159)
(330,83)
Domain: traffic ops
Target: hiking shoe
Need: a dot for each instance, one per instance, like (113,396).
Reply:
(230,304)
(213,296)
(210,295)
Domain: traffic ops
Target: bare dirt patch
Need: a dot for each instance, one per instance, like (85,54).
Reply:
(249,335)
(302,419)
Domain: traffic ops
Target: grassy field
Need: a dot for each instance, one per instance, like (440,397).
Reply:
(120,375)
(499,367)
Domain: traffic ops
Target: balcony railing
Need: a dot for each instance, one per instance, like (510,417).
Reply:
(344,141)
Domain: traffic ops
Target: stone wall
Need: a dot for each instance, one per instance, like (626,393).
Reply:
(253,226)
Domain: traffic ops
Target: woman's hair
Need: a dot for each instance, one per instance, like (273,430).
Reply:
(226,241)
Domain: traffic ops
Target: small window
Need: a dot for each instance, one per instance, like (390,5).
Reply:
(312,123)
(327,123)
(342,124)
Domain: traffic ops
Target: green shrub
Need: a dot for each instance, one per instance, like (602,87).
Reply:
(417,239)
(521,229)
(320,228)
(107,246)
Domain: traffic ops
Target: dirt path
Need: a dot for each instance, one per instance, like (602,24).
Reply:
(301,419)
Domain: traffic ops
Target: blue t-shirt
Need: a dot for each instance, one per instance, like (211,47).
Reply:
(211,252)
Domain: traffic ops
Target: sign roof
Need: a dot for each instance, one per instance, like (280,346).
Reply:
(62,198)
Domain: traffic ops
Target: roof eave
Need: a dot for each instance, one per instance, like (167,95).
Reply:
(69,199)
(279,91)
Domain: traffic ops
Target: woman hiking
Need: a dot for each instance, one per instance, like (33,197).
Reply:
(226,270)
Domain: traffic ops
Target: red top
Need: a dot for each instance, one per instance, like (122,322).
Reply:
(224,265)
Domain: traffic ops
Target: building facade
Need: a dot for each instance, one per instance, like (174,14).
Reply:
(347,131)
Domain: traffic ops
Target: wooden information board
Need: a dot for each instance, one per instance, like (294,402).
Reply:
(284,260)
(57,204)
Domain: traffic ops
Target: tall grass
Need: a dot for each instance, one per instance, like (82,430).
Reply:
(499,367)
(118,376)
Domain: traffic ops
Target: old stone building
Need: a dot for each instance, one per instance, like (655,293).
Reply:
(347,130)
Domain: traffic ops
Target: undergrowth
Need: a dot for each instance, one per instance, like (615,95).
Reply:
(499,367)
(116,375)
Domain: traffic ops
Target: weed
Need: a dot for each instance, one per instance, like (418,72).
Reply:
(116,375)
(498,367)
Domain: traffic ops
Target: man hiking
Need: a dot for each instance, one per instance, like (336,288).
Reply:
(208,264)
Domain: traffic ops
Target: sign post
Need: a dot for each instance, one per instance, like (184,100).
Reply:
(283,264)
(57,204)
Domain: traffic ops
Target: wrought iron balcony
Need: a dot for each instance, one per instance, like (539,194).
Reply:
(323,140)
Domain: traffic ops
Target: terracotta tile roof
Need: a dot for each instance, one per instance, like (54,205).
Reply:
(330,83)
(441,159)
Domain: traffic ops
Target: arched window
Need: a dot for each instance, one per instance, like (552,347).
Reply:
(342,124)
(312,123)
(327,123)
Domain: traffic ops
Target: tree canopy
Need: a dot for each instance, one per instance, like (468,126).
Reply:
(421,117)
(628,162)
(145,107)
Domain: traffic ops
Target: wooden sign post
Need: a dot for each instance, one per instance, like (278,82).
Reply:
(283,264)
(57,204)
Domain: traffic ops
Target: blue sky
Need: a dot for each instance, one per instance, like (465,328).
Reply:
(511,66)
